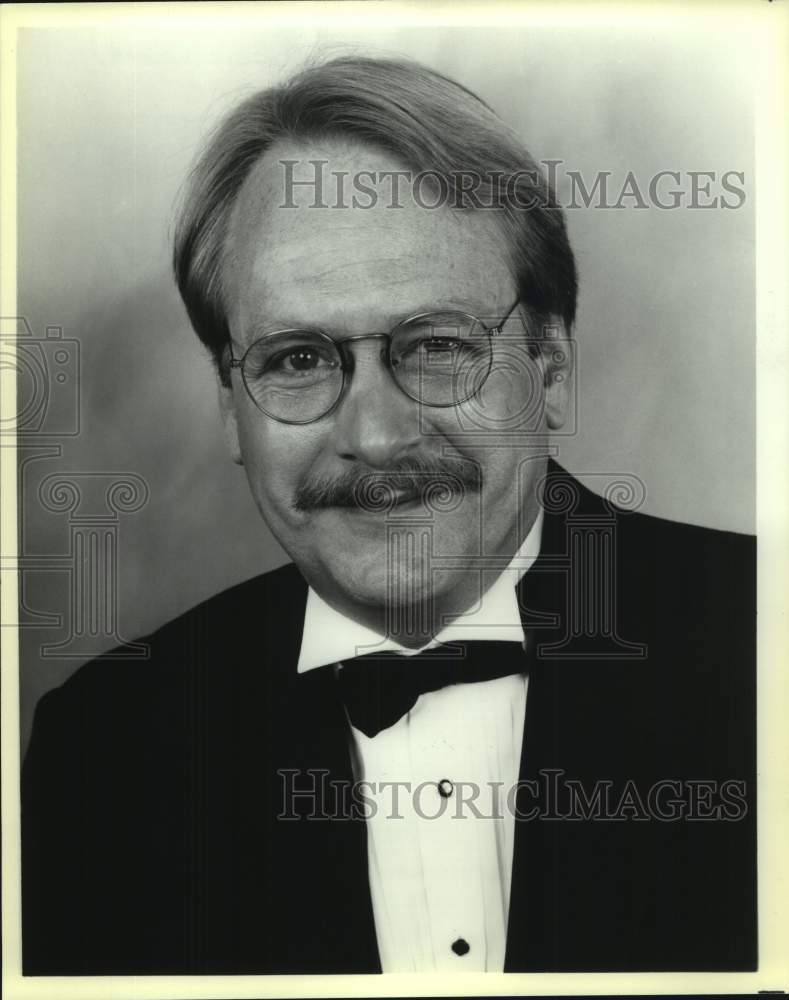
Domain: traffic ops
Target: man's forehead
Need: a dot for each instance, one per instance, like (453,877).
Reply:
(286,173)
(282,243)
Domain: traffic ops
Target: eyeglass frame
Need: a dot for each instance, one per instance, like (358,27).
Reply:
(346,364)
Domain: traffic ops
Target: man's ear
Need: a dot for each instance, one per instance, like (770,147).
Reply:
(227,409)
(556,352)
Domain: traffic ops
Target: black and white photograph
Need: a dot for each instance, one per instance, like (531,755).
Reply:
(386,399)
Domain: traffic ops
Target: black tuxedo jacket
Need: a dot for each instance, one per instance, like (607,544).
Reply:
(151,791)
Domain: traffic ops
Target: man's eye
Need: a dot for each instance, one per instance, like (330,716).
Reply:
(441,344)
(300,360)
(432,346)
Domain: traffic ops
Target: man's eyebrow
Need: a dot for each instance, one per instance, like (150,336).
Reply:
(442,309)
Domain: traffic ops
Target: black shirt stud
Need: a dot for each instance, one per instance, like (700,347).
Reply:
(445,788)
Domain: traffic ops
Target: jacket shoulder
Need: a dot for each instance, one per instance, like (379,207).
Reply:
(211,632)
(687,551)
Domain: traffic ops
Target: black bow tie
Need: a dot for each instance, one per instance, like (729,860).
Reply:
(379,688)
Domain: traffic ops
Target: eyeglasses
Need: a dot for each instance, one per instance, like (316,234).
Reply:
(438,359)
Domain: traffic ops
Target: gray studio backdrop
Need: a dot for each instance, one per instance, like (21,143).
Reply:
(109,121)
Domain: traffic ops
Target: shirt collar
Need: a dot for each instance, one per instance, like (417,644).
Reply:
(329,636)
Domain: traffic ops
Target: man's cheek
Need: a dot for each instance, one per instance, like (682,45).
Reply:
(272,485)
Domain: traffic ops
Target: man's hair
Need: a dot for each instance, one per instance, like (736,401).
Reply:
(423,119)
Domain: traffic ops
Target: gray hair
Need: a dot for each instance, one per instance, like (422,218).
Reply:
(428,122)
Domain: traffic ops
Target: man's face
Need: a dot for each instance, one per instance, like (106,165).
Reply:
(354,270)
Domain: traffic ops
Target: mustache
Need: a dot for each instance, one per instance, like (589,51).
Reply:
(440,483)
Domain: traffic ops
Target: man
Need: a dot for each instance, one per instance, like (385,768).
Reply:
(384,281)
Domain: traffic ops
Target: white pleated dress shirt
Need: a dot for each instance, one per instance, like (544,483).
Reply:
(440,857)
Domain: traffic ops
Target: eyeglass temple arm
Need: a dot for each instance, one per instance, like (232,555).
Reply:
(494,330)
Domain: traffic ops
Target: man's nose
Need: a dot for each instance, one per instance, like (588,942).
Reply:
(375,423)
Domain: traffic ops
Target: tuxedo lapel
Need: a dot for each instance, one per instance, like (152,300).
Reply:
(575,706)
(280,859)
(590,893)
(318,861)
(320,858)
(542,601)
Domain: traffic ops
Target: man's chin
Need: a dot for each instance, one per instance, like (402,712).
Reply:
(381,583)
(384,579)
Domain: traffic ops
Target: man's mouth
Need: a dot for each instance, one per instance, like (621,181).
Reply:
(406,498)
(378,496)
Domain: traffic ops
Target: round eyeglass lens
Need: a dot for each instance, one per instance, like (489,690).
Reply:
(294,376)
(441,359)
